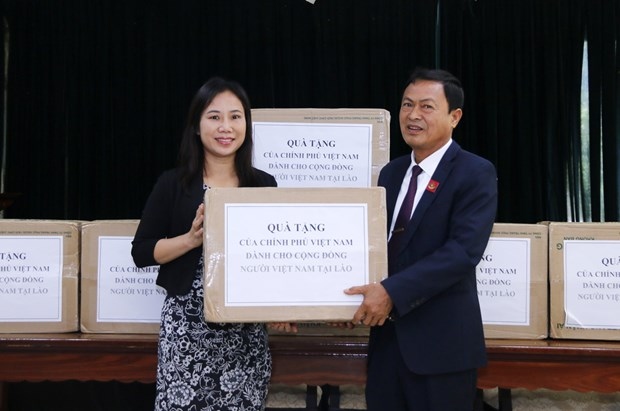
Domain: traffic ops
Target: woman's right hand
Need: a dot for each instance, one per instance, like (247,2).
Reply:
(196,231)
(168,249)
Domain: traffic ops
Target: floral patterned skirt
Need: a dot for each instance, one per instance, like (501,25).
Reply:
(206,366)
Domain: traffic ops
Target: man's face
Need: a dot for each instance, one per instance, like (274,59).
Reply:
(425,122)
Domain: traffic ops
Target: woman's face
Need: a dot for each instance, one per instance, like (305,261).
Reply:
(222,126)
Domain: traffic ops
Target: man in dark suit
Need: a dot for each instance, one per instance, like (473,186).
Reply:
(426,340)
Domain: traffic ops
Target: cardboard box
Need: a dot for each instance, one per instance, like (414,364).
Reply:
(117,297)
(288,254)
(39,265)
(313,147)
(584,276)
(512,282)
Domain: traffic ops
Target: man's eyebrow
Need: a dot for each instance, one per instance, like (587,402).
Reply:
(423,100)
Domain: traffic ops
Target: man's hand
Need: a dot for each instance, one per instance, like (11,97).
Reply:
(375,307)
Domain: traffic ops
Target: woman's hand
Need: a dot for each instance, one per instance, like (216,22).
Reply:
(283,327)
(168,249)
(196,231)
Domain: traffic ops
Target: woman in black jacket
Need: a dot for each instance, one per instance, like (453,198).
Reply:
(201,365)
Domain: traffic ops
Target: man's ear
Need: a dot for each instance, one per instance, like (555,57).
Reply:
(455,116)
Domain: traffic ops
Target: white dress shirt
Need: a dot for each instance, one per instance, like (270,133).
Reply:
(428,166)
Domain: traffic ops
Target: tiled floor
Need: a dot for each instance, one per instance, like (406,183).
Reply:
(75,396)
(294,397)
(352,398)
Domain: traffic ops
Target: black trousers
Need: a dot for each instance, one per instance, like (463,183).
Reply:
(392,386)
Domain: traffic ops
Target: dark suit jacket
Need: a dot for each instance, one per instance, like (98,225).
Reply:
(169,212)
(433,285)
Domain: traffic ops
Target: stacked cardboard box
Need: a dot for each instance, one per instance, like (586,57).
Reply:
(41,262)
(313,147)
(584,276)
(321,147)
(512,282)
(117,297)
(39,265)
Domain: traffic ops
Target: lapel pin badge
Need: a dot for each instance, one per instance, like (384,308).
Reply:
(432,186)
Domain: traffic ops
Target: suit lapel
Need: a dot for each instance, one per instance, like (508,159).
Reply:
(394,188)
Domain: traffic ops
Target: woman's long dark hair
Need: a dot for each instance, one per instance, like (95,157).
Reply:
(191,159)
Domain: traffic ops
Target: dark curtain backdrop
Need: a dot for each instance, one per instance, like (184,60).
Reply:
(603,35)
(520,62)
(98,90)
